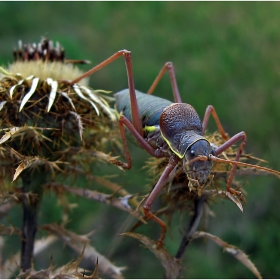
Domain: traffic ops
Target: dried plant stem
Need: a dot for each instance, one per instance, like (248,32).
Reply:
(11,265)
(31,182)
(198,210)
(80,244)
(232,250)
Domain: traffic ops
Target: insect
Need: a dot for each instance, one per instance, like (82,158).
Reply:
(171,130)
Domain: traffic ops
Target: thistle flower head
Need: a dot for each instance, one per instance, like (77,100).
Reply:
(43,118)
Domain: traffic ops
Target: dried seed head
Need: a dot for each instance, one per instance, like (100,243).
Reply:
(45,61)
(44,51)
(43,117)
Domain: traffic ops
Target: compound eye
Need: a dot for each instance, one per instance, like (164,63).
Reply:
(192,153)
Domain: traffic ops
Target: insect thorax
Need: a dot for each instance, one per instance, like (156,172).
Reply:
(180,127)
(154,137)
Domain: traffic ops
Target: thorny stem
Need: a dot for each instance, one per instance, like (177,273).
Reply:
(199,203)
(31,182)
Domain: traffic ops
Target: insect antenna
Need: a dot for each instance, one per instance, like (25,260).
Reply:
(202,158)
(214,158)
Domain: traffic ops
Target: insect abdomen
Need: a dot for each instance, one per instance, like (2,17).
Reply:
(150,107)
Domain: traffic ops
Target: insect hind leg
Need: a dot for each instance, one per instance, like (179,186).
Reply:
(128,62)
(168,66)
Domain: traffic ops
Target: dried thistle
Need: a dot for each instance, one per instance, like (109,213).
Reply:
(180,194)
(46,124)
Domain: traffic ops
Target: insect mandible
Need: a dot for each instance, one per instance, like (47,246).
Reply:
(171,130)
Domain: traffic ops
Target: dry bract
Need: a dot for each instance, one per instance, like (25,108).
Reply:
(44,118)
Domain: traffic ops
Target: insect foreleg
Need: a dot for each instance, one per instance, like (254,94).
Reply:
(226,145)
(211,110)
(123,121)
(168,66)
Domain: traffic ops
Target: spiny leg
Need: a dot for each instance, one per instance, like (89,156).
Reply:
(210,110)
(136,120)
(168,66)
(239,136)
(123,121)
(173,160)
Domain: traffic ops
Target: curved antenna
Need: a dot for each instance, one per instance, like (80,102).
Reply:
(202,158)
(277,173)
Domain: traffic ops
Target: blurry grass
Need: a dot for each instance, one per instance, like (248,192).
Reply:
(225,54)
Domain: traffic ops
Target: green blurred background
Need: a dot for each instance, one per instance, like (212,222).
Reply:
(226,54)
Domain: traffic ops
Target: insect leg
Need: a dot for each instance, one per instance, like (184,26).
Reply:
(148,204)
(239,136)
(211,110)
(100,66)
(168,66)
(123,121)
(136,120)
